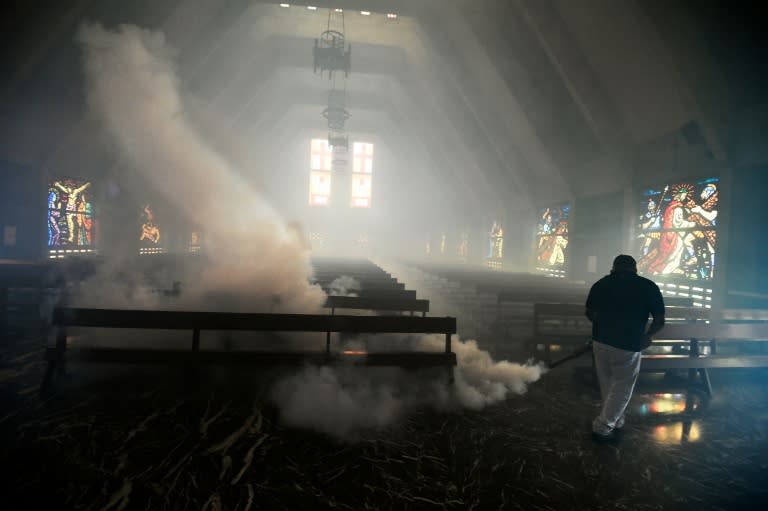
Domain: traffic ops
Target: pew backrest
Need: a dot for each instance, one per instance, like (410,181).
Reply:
(186,320)
(377,304)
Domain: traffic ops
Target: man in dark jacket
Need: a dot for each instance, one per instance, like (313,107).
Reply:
(618,306)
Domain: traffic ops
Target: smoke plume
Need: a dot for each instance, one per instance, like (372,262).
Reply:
(256,261)
(344,286)
(348,401)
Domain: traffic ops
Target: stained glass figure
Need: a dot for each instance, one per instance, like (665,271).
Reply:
(552,239)
(150,236)
(70,217)
(677,230)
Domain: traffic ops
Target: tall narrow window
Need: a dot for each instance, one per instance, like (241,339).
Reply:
(362,174)
(71,228)
(320,172)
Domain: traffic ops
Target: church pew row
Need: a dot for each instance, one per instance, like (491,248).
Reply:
(686,329)
(464,300)
(195,322)
(565,324)
(505,300)
(503,307)
(495,282)
(343,268)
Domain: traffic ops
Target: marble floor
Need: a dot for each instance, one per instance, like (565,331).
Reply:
(145,439)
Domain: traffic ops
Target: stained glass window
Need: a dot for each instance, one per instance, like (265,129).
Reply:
(194,242)
(677,230)
(552,239)
(319,188)
(70,217)
(150,237)
(321,154)
(321,157)
(362,174)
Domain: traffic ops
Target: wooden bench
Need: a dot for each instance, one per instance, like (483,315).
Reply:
(377,304)
(357,275)
(561,324)
(678,301)
(717,334)
(566,324)
(220,321)
(384,284)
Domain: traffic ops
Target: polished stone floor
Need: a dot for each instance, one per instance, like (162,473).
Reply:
(143,439)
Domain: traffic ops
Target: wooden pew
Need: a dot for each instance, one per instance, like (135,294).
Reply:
(373,303)
(513,306)
(561,324)
(565,324)
(502,300)
(347,268)
(357,275)
(384,284)
(698,365)
(217,321)
(677,301)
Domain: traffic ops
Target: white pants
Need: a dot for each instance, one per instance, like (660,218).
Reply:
(617,372)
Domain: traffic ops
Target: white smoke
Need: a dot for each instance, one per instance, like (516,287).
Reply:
(344,286)
(256,261)
(348,401)
(479,380)
(341,402)
(132,87)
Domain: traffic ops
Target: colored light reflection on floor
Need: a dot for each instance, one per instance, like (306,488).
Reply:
(677,432)
(665,403)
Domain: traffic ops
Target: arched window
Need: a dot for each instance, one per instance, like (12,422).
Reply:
(362,174)
(320,172)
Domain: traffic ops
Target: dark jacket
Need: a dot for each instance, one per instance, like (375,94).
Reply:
(619,305)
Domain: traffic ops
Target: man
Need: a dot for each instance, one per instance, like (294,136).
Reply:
(618,306)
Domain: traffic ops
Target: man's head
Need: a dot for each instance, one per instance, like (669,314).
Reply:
(624,262)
